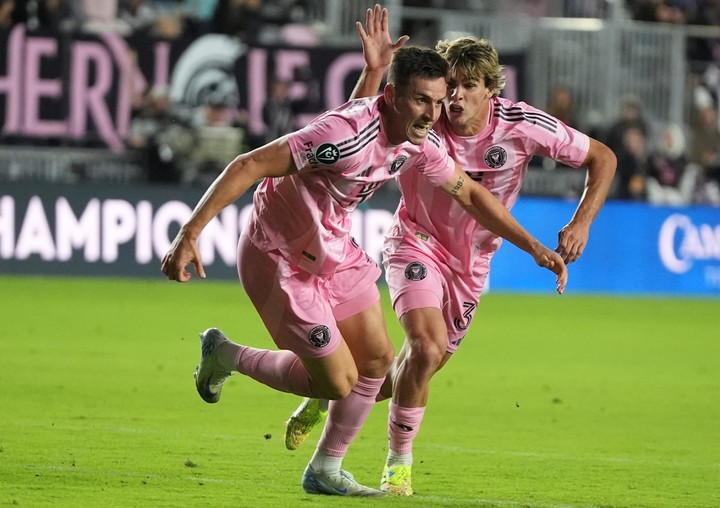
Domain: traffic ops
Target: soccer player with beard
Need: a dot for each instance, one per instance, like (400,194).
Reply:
(435,256)
(311,284)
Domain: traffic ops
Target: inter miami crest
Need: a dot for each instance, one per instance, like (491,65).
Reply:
(415,271)
(327,153)
(495,157)
(319,336)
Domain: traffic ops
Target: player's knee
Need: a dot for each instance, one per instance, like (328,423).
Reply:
(385,360)
(339,386)
(425,352)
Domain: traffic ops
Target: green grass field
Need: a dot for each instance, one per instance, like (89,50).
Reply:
(551,402)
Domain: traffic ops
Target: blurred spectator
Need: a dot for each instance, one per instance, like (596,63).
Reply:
(278,112)
(201,10)
(705,151)
(136,14)
(163,136)
(58,14)
(220,134)
(632,164)
(706,12)
(238,18)
(631,116)
(671,179)
(561,105)
(661,11)
(101,16)
(198,15)
(7,13)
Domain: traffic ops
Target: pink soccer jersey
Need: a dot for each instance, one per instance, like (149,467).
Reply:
(498,158)
(342,157)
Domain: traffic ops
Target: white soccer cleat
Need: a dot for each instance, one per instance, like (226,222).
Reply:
(209,375)
(341,483)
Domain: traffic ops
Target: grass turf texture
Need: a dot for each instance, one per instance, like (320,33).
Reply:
(551,402)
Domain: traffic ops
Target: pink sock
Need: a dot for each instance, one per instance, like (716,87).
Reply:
(281,370)
(346,416)
(403,426)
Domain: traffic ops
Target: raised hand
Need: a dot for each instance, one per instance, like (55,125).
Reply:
(378,47)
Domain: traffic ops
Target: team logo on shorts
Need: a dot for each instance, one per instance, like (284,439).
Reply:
(496,157)
(319,336)
(397,164)
(415,271)
(327,153)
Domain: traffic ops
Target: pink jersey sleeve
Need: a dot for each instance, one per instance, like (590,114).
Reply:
(433,162)
(547,136)
(311,147)
(439,166)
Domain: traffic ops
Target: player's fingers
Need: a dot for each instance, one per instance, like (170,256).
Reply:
(384,23)
(371,21)
(378,13)
(360,30)
(401,42)
(164,264)
(168,268)
(199,268)
(560,268)
(561,282)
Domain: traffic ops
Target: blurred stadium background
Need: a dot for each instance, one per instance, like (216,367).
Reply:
(115,115)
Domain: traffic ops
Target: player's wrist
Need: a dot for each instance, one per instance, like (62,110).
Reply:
(189,232)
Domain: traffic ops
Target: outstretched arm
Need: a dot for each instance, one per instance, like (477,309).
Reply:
(271,160)
(601,163)
(491,214)
(378,49)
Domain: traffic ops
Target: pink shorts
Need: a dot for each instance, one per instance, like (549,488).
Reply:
(301,310)
(417,280)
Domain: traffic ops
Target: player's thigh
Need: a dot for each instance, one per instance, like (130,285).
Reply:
(365,334)
(292,303)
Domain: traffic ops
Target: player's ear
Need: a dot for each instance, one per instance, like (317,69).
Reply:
(389,93)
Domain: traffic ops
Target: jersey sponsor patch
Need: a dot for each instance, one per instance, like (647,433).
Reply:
(397,164)
(495,157)
(415,271)
(319,336)
(327,153)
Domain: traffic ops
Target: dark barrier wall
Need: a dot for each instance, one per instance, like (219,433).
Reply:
(76,89)
(124,231)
